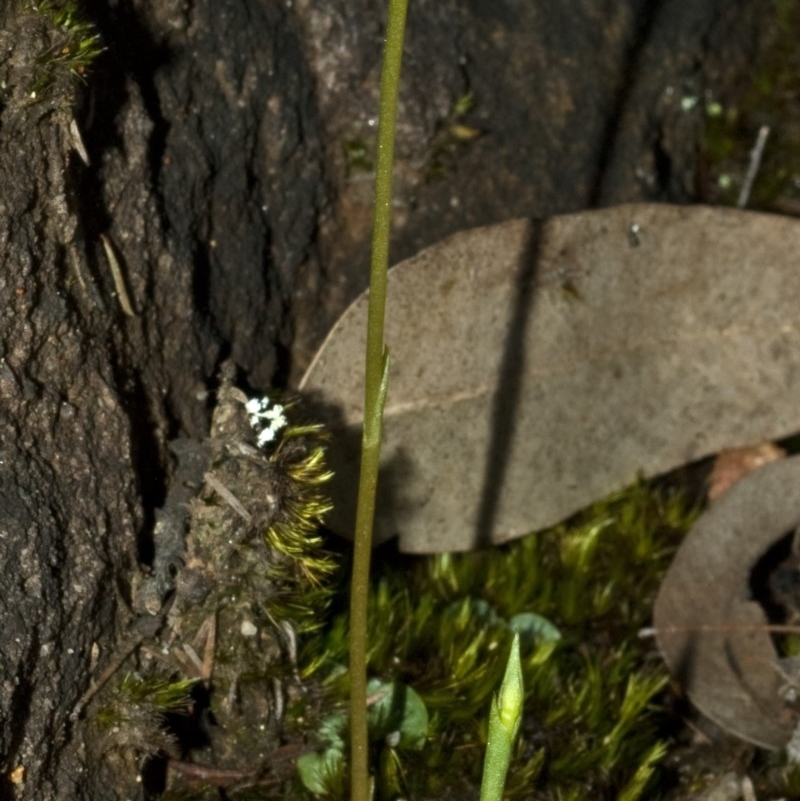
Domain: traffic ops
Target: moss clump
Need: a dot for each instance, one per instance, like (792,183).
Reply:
(258,579)
(135,712)
(75,43)
(578,594)
(452,134)
(50,46)
(254,578)
(357,158)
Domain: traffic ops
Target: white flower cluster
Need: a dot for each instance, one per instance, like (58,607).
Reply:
(266,418)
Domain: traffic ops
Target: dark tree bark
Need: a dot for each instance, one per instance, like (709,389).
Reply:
(68,492)
(220,138)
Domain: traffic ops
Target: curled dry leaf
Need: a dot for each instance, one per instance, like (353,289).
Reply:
(735,463)
(536,367)
(713,636)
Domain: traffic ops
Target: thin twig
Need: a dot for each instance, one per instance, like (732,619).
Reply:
(775,628)
(209,649)
(755,163)
(116,274)
(227,496)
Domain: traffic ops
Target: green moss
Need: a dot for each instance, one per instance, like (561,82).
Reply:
(443,625)
(134,713)
(452,134)
(70,44)
(357,158)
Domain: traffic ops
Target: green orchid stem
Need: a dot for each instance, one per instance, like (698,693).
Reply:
(377,369)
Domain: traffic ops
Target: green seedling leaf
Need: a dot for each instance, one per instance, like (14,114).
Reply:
(533,629)
(321,773)
(399,716)
(331,731)
(540,366)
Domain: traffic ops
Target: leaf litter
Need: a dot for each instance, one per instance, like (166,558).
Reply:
(539,366)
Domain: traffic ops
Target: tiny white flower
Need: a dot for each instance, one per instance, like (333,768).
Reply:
(267,435)
(276,417)
(257,406)
(266,418)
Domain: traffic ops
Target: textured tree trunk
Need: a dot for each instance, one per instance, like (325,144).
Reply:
(70,503)
(223,177)
(202,182)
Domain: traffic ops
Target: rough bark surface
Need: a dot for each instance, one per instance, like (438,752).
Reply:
(220,138)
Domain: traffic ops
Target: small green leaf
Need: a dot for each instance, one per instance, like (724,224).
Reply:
(322,773)
(400,714)
(331,731)
(533,629)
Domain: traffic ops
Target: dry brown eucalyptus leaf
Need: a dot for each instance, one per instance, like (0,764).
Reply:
(713,637)
(536,367)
